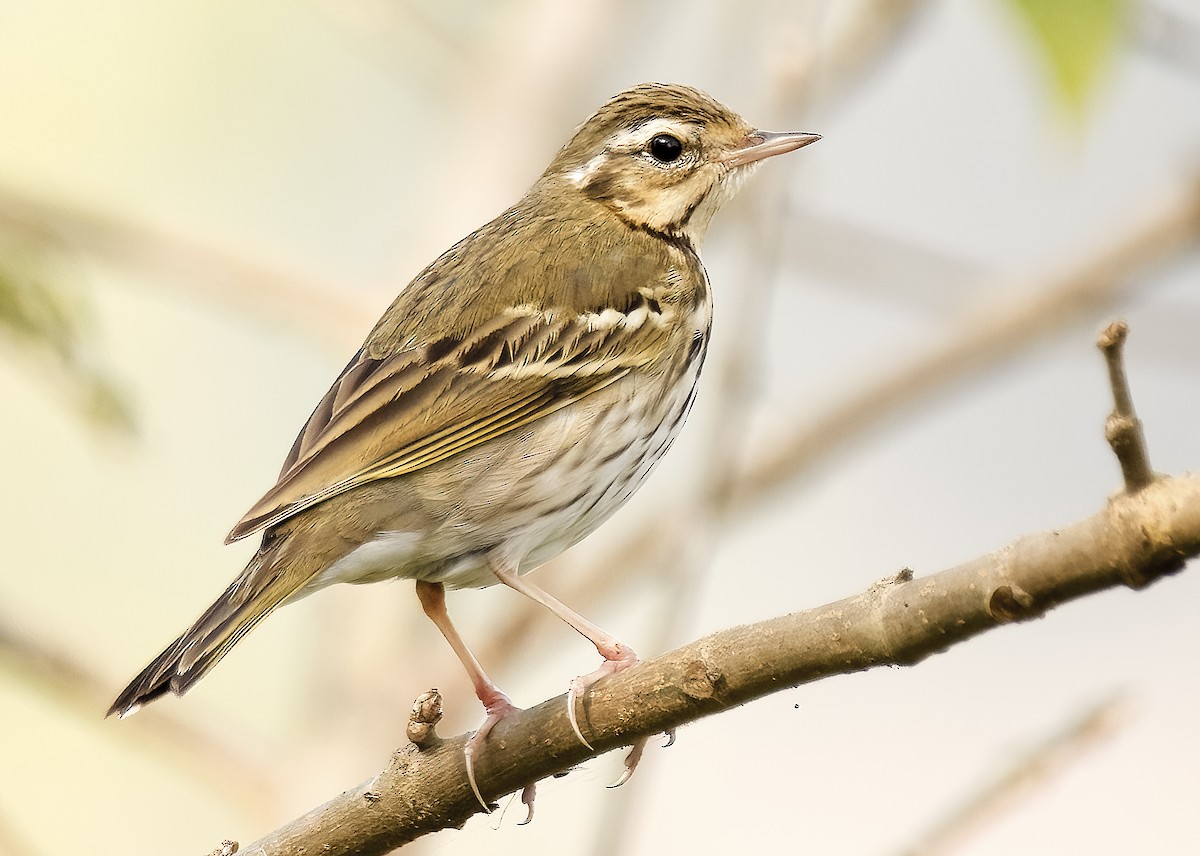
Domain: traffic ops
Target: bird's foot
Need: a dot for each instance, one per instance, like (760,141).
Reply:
(497,706)
(617,658)
(631,762)
(635,757)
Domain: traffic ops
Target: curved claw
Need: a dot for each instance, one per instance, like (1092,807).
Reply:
(470,756)
(528,795)
(617,658)
(573,694)
(497,708)
(631,762)
(626,775)
(670,733)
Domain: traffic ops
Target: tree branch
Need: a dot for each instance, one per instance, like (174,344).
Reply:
(1135,539)
(331,312)
(1123,429)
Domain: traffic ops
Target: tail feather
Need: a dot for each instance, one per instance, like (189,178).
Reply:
(191,656)
(152,682)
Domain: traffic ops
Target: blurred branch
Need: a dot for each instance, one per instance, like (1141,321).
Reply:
(1133,541)
(846,256)
(1028,310)
(330,312)
(79,689)
(12,842)
(1169,35)
(801,81)
(409,35)
(525,41)
(1031,770)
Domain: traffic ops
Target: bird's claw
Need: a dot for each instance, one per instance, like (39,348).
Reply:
(470,756)
(576,689)
(631,762)
(618,658)
(498,709)
(528,795)
(635,757)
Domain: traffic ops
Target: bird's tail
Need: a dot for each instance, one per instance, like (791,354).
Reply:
(248,600)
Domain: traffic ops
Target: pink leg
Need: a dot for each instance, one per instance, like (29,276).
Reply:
(617,656)
(496,703)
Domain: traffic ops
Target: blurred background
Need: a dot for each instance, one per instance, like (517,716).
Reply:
(205,205)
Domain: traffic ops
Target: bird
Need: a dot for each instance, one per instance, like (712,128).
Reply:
(511,398)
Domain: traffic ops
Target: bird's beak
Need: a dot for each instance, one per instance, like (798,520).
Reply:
(765,144)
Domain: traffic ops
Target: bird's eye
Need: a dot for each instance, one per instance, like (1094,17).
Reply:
(664,148)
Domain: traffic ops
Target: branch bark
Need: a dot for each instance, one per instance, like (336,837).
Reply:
(1135,539)
(1123,429)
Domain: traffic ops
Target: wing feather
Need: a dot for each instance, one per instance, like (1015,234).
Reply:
(385,417)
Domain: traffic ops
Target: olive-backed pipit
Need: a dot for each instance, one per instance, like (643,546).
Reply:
(512,397)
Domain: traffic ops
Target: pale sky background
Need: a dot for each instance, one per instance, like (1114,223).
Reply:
(353,141)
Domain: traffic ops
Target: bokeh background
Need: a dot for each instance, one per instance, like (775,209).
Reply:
(204,206)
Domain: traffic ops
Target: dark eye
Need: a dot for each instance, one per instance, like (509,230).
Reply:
(664,148)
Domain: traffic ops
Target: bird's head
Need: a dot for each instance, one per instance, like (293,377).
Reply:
(665,157)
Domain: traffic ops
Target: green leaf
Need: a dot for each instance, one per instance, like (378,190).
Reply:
(46,320)
(1079,39)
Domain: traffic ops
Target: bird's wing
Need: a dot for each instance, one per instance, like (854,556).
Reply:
(388,416)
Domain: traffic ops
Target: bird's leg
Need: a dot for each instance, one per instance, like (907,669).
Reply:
(496,703)
(617,656)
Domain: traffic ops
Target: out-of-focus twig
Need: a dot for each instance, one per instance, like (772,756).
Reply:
(329,312)
(1032,770)
(12,841)
(406,36)
(1171,36)
(859,47)
(1027,311)
(80,689)
(854,257)
(517,95)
